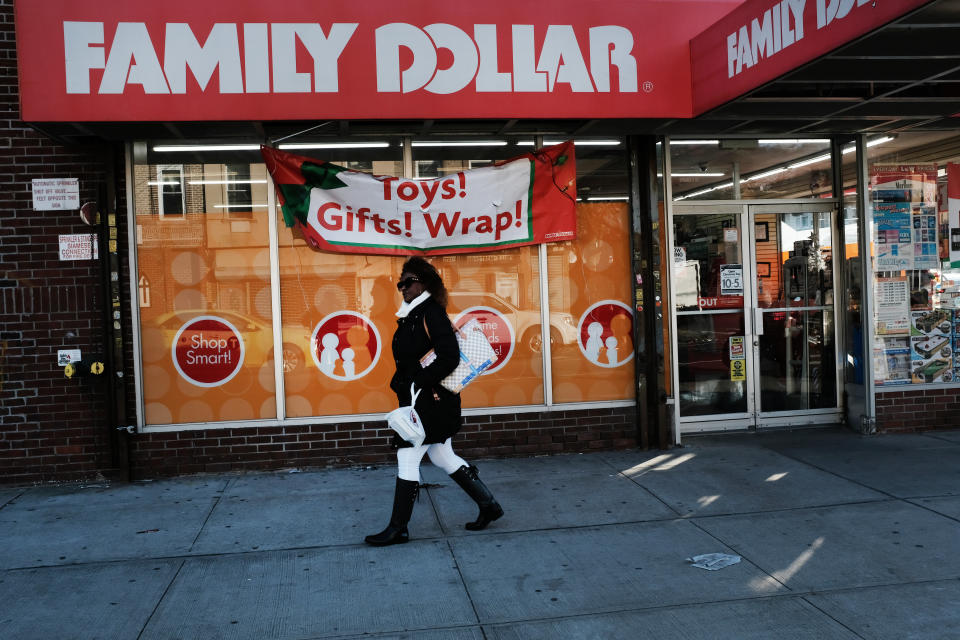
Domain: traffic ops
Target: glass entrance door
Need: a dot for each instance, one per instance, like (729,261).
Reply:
(755,340)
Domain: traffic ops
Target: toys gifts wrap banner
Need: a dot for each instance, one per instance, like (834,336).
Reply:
(530,199)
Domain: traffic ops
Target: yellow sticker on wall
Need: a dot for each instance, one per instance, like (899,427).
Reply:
(738,370)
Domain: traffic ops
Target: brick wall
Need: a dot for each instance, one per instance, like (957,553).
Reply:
(521,434)
(920,410)
(51,428)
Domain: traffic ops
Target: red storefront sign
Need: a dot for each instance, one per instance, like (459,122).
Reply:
(115,60)
(763,39)
(207,351)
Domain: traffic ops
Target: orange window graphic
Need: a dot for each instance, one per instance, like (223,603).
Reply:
(591,318)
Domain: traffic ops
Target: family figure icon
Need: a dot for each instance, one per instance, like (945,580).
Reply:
(595,343)
(343,355)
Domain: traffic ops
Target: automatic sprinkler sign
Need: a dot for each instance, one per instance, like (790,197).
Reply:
(207,351)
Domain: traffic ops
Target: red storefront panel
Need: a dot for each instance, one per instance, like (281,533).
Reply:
(113,60)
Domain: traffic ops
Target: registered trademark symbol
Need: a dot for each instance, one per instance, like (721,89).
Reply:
(648,86)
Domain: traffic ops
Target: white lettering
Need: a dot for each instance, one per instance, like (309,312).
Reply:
(837,9)
(769,34)
(562,60)
(488,77)
(256,44)
(525,76)
(389,38)
(602,57)
(262,58)
(79,56)
(221,49)
(133,60)
(465,59)
(761,38)
(325,51)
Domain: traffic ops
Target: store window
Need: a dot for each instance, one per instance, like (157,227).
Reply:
(914,208)
(590,289)
(750,169)
(208,338)
(206,331)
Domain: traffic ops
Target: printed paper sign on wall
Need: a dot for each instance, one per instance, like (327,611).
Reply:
(528,200)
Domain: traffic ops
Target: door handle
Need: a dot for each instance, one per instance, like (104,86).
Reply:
(758,322)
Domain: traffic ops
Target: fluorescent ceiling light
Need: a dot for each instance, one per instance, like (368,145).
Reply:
(765,174)
(870,143)
(579,143)
(240,206)
(703,191)
(475,143)
(698,174)
(693,142)
(206,147)
(813,160)
(796,141)
(608,198)
(334,145)
(226,182)
(156,183)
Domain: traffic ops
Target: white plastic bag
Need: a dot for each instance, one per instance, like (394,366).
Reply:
(476,356)
(406,422)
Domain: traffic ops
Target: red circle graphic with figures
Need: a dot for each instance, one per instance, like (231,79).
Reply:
(345,345)
(605,333)
(496,327)
(207,351)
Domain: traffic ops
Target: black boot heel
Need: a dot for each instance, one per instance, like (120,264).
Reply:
(490,510)
(404,496)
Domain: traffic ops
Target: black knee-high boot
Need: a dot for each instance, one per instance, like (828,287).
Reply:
(469,481)
(404,496)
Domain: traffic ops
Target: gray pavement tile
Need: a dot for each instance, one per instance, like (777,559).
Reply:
(169,490)
(949,507)
(926,611)
(904,473)
(949,436)
(76,532)
(562,464)
(313,594)
(459,633)
(840,438)
(109,600)
(321,517)
(6,495)
(549,501)
(300,483)
(716,480)
(845,546)
(757,620)
(521,576)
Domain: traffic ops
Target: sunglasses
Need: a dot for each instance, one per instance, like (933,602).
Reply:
(403,284)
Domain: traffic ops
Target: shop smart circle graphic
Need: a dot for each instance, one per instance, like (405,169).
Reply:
(605,333)
(496,328)
(345,345)
(207,351)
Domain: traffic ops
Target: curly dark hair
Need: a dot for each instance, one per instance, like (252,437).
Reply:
(429,277)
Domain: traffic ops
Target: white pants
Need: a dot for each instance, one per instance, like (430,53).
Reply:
(441,455)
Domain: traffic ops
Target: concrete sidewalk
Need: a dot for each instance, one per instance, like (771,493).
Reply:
(841,536)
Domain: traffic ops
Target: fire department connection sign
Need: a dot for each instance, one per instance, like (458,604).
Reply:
(207,351)
(528,200)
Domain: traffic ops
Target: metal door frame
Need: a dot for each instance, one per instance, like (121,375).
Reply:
(752,418)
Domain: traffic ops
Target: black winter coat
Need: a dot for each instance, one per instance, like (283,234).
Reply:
(439,409)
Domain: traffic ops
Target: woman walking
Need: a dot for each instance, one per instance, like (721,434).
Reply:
(423,325)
